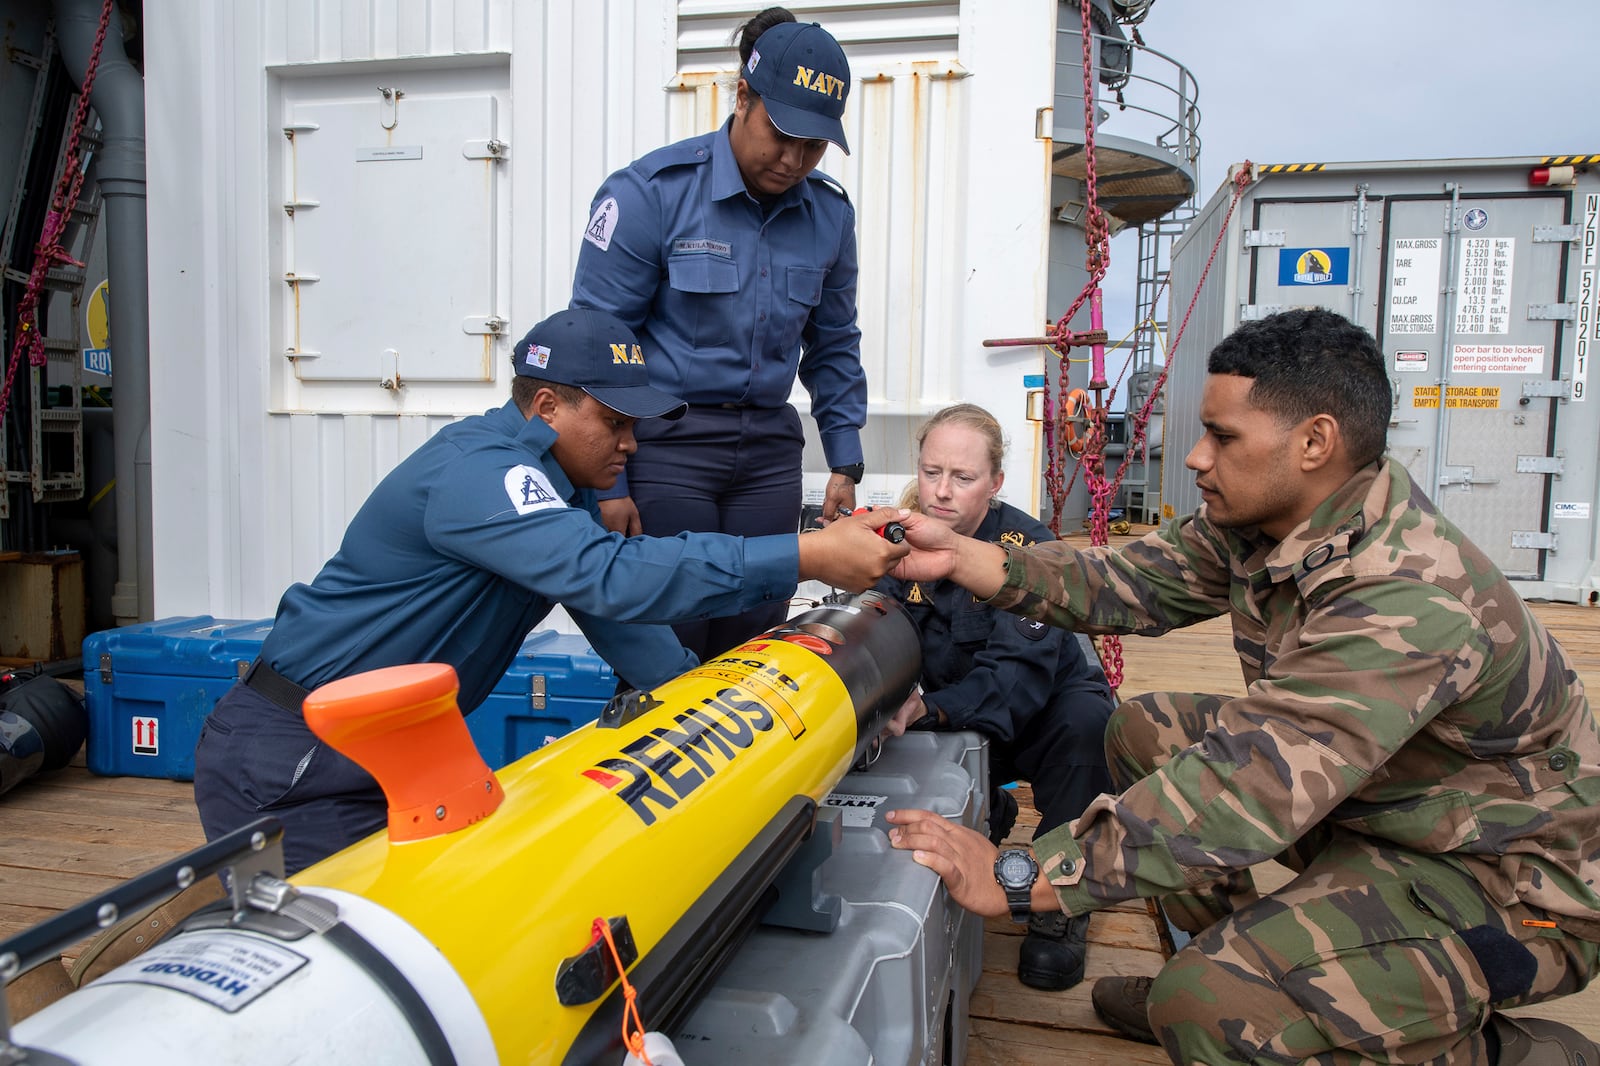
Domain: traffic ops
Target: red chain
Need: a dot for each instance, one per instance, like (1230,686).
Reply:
(1100,490)
(49,252)
(1097,256)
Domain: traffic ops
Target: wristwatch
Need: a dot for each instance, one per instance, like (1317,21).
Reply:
(854,471)
(1016,871)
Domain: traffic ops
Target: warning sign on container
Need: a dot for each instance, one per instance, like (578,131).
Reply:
(145,740)
(1470,396)
(1410,362)
(1497,359)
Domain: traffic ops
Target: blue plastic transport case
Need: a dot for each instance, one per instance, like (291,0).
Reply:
(150,686)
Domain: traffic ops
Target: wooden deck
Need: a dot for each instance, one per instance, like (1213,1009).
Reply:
(66,836)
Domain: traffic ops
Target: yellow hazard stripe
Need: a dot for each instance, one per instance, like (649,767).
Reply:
(1306,168)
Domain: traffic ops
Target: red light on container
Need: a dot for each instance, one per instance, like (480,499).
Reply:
(1553,176)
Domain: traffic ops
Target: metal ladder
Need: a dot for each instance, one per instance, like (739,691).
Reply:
(55,442)
(1141,486)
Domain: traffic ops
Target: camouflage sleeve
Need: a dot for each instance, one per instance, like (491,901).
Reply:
(1369,667)
(1169,579)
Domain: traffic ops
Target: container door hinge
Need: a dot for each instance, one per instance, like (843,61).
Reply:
(492,148)
(1251,312)
(537,691)
(1561,390)
(1549,234)
(105,668)
(1552,312)
(1462,476)
(1541,464)
(1528,538)
(484,325)
(1263,238)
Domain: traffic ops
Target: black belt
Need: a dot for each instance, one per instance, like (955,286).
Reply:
(274,686)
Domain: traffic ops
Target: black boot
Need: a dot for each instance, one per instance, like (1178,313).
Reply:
(1054,951)
(1002,814)
(1121,1002)
(1537,1042)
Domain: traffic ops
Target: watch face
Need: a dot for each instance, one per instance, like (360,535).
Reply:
(1014,869)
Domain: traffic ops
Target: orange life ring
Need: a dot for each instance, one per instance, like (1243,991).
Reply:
(1076,416)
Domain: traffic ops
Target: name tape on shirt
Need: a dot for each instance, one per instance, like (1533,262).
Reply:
(530,490)
(602,224)
(685,245)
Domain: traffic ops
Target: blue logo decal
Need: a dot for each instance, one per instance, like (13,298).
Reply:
(1314,266)
(1476,219)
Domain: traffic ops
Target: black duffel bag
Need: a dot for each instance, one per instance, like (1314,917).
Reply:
(42,726)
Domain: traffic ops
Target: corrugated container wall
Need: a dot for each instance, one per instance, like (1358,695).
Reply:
(356,207)
(1477,280)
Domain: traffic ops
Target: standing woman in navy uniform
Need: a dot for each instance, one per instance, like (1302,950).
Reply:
(1028,687)
(734,261)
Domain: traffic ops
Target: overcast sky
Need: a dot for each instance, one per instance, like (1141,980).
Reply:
(1290,81)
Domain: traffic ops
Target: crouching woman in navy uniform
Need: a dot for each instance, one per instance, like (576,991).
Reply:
(1026,686)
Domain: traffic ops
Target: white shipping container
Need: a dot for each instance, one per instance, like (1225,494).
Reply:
(1478,279)
(357,206)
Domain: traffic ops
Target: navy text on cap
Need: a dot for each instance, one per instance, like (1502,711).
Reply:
(598,353)
(803,78)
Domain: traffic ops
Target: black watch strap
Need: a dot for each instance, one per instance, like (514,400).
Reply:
(1015,871)
(854,471)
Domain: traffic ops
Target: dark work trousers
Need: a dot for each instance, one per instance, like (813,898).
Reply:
(1060,752)
(255,758)
(720,470)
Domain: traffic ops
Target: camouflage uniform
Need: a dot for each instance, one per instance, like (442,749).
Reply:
(1411,739)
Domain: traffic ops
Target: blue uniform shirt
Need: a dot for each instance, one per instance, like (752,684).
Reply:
(732,298)
(471,541)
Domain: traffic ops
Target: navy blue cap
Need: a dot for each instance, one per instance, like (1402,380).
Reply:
(598,353)
(802,77)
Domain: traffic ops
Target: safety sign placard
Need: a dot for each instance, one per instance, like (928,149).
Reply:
(146,740)
(1410,362)
(1497,359)
(1470,396)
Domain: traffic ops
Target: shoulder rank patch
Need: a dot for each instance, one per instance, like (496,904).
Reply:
(602,224)
(828,182)
(1031,629)
(1015,538)
(530,490)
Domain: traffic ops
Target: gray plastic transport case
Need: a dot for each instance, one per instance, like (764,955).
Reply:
(891,984)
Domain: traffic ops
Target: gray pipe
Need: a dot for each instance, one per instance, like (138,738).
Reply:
(118,98)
